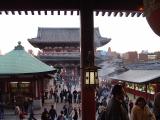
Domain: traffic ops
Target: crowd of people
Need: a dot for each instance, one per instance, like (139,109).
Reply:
(112,103)
(70,99)
(115,105)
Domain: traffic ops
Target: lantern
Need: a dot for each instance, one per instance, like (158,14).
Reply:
(91,72)
(91,76)
(152,13)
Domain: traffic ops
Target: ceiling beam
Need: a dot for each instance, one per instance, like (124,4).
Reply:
(45,12)
(6,12)
(13,12)
(59,12)
(65,12)
(127,14)
(97,13)
(26,12)
(52,12)
(72,12)
(103,13)
(109,13)
(115,13)
(32,12)
(132,14)
(121,14)
(28,5)
(138,14)
(78,12)
(19,12)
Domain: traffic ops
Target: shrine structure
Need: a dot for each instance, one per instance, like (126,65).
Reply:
(60,47)
(21,73)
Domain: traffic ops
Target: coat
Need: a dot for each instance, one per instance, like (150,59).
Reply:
(116,111)
(138,113)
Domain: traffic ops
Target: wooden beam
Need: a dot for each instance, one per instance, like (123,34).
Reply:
(52,12)
(32,12)
(103,13)
(127,14)
(78,12)
(13,12)
(121,14)
(138,14)
(97,13)
(71,12)
(39,12)
(109,13)
(6,12)
(65,12)
(115,13)
(132,14)
(26,12)
(59,12)
(28,5)
(19,12)
(45,12)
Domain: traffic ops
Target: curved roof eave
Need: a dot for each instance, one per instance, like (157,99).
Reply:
(18,61)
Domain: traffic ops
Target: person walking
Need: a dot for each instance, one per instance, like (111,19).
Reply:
(74,114)
(45,115)
(31,116)
(101,112)
(141,111)
(52,113)
(115,109)
(61,116)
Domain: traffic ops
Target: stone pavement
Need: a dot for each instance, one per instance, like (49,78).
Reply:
(9,113)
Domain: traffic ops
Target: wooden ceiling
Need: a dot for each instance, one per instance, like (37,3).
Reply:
(133,7)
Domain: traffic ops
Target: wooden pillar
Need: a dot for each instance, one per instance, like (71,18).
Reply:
(87,44)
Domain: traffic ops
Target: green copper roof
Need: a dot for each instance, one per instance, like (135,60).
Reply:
(18,61)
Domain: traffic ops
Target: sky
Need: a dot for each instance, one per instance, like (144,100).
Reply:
(126,33)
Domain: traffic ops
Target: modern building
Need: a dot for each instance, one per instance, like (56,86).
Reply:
(130,57)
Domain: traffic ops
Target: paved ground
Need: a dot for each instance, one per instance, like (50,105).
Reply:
(9,113)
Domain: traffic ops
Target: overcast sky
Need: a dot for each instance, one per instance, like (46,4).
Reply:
(127,33)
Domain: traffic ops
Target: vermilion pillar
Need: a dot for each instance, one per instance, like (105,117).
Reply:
(87,44)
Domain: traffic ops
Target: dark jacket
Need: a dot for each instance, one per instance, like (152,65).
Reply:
(116,111)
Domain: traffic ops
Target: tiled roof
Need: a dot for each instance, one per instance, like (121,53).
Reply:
(149,65)
(67,35)
(138,76)
(20,62)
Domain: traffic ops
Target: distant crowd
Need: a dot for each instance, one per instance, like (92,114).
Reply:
(71,109)
(112,103)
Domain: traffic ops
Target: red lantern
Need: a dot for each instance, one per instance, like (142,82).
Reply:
(152,12)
